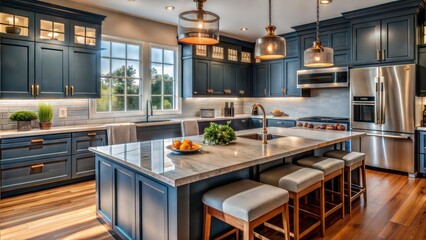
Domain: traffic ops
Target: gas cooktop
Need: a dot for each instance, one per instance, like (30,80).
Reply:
(324,119)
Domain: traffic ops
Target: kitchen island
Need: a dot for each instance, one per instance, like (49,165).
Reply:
(144,191)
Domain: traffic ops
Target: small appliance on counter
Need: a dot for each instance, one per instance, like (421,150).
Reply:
(207,113)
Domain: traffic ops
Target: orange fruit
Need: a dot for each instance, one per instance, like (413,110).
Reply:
(185,146)
(177,143)
(195,146)
(187,141)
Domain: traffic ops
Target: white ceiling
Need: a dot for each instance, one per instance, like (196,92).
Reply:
(236,14)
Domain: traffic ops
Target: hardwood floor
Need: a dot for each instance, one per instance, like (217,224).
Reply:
(396,210)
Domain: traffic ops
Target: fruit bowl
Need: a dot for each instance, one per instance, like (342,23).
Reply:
(277,114)
(195,148)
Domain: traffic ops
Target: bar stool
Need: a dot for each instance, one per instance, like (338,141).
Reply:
(332,169)
(190,128)
(299,181)
(245,204)
(353,161)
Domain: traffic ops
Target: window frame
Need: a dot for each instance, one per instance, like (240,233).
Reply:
(145,70)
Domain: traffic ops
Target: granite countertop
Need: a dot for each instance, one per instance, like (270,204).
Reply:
(421,128)
(154,159)
(94,127)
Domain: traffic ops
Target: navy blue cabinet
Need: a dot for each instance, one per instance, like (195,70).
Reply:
(240,124)
(201,77)
(421,152)
(276,78)
(260,82)
(16,69)
(52,29)
(281,123)
(244,80)
(255,123)
(381,41)
(104,190)
(421,72)
(291,65)
(51,71)
(85,35)
(148,133)
(217,77)
(84,74)
(232,72)
(23,19)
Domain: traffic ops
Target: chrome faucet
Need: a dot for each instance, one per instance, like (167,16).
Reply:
(264,130)
(149,112)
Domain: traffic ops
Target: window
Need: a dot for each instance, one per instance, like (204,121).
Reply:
(121,83)
(163,79)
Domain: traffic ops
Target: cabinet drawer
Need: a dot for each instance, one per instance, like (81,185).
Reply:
(83,165)
(281,123)
(33,173)
(256,123)
(21,149)
(240,124)
(81,141)
(422,142)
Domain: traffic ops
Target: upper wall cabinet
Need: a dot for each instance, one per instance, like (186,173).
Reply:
(16,23)
(387,40)
(39,53)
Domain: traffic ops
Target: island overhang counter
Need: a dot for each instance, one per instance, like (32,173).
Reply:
(144,191)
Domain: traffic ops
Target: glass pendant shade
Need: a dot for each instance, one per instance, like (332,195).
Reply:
(198,26)
(270,46)
(319,56)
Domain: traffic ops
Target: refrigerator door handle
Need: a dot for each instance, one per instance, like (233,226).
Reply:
(407,137)
(382,100)
(377,109)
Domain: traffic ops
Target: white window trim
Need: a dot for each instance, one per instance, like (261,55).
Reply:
(145,67)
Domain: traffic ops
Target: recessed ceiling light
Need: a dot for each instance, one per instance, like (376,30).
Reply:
(170,8)
(244,29)
(326,1)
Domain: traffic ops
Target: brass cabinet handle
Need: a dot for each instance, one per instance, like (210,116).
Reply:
(209,90)
(195,92)
(242,92)
(378,55)
(91,134)
(72,90)
(279,122)
(66,90)
(37,166)
(38,140)
(260,121)
(264,91)
(32,90)
(383,54)
(38,89)
(283,90)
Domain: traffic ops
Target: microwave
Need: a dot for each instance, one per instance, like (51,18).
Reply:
(323,78)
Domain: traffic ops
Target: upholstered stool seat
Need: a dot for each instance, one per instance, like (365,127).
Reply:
(353,161)
(245,204)
(299,181)
(350,158)
(332,169)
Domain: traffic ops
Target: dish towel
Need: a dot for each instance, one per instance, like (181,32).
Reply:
(119,133)
(190,128)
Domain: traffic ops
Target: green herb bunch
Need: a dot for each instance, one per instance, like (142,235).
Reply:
(45,112)
(219,134)
(23,116)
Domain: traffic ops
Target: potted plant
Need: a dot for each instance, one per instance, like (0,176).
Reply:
(217,134)
(24,119)
(45,116)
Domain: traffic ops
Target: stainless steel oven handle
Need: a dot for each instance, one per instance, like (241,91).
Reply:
(382,100)
(377,108)
(390,136)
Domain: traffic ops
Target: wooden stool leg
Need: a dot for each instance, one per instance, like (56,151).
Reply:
(350,189)
(364,183)
(342,192)
(286,221)
(296,216)
(248,231)
(322,209)
(207,223)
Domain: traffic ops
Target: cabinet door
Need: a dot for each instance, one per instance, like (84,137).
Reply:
(84,73)
(201,76)
(83,165)
(260,80)
(51,70)
(421,73)
(124,202)
(240,124)
(281,123)
(16,69)
(50,29)
(398,39)
(291,66)
(366,43)
(231,75)
(292,47)
(217,77)
(85,35)
(24,20)
(276,78)
(422,142)
(244,81)
(104,189)
(151,210)
(255,123)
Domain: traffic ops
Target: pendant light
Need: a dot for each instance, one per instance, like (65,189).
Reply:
(198,26)
(318,56)
(270,46)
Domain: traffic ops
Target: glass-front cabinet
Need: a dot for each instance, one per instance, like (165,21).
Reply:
(85,35)
(16,24)
(50,29)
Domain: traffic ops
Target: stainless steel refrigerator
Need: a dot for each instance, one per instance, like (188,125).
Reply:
(383,104)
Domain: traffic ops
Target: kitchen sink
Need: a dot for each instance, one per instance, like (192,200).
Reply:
(258,136)
(153,121)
